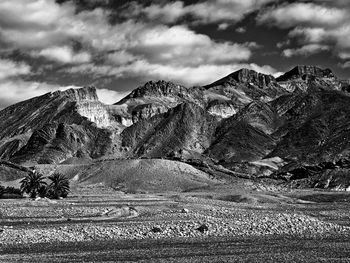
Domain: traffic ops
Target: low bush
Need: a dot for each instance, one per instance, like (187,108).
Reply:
(10,192)
(2,191)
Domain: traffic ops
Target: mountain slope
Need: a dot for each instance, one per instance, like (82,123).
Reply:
(247,122)
(56,126)
(185,127)
(155,98)
(244,86)
(317,130)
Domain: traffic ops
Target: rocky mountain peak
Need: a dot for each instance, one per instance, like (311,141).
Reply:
(82,94)
(155,88)
(248,75)
(305,72)
(245,75)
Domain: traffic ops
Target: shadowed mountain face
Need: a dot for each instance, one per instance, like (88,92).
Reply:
(305,72)
(56,126)
(243,120)
(185,127)
(316,128)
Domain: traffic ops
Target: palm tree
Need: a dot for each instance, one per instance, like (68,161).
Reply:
(32,183)
(59,186)
(2,191)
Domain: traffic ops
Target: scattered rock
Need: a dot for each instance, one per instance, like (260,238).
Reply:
(203,228)
(156,229)
(185,211)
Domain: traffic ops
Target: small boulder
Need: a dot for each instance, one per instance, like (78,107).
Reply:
(203,228)
(185,211)
(156,229)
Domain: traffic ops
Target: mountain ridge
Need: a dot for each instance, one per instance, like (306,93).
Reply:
(239,121)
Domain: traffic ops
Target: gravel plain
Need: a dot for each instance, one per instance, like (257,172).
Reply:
(48,227)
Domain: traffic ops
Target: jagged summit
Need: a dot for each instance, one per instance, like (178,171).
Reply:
(51,127)
(305,72)
(245,75)
(245,117)
(85,93)
(155,88)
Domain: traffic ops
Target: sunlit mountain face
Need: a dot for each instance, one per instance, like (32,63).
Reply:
(116,46)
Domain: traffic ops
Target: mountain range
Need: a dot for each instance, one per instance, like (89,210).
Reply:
(294,127)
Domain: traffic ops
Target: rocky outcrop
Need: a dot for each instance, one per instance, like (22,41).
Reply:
(185,127)
(145,111)
(316,129)
(239,141)
(244,86)
(95,112)
(155,98)
(222,99)
(55,126)
(308,79)
(245,76)
(222,109)
(157,90)
(56,142)
(305,73)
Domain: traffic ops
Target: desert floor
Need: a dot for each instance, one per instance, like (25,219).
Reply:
(97,224)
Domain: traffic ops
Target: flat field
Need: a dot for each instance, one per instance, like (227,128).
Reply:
(97,224)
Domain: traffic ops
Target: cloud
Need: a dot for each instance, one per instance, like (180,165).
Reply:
(13,88)
(338,37)
(305,50)
(339,3)
(33,23)
(303,14)
(14,91)
(186,47)
(156,43)
(203,12)
(120,58)
(241,30)
(189,76)
(344,55)
(64,55)
(110,96)
(345,64)
(317,26)
(86,42)
(283,43)
(17,90)
(223,26)
(168,13)
(10,68)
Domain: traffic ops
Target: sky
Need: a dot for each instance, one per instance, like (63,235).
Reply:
(118,45)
